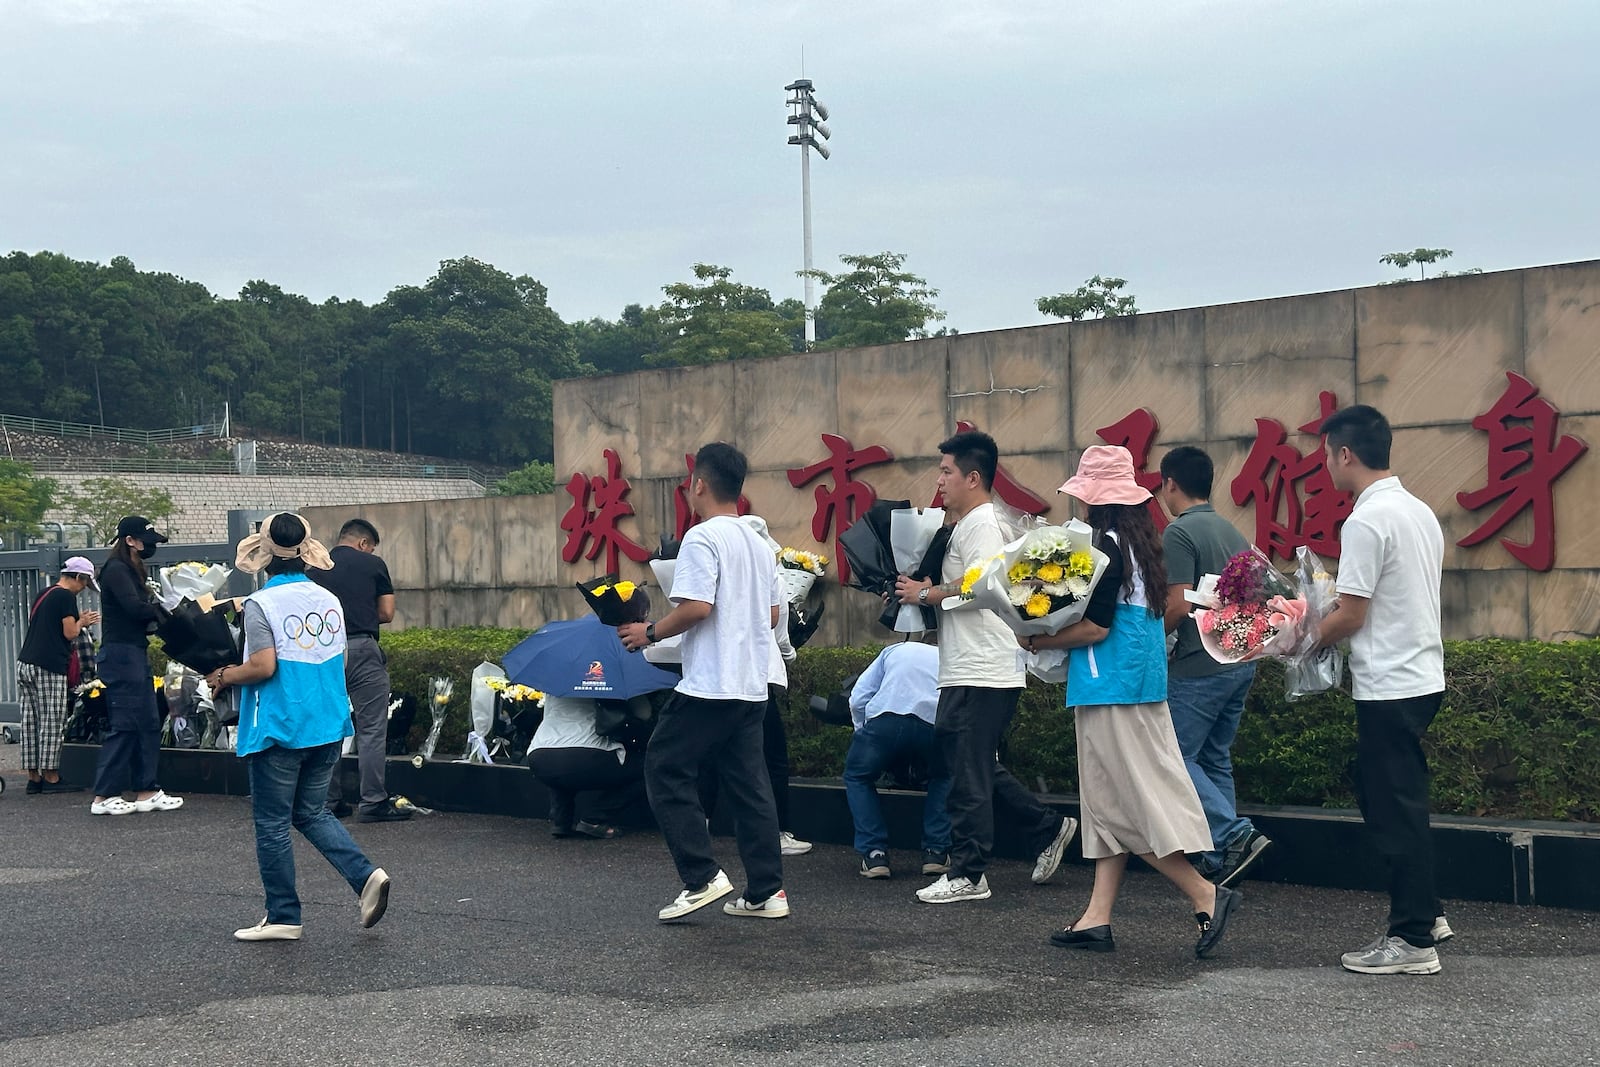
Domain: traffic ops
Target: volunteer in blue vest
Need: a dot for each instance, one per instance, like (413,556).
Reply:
(294,715)
(1136,794)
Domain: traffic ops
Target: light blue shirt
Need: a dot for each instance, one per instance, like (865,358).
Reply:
(903,680)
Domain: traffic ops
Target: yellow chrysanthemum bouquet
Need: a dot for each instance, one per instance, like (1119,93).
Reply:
(798,570)
(1042,581)
(613,600)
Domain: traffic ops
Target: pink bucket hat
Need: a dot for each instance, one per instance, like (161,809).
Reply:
(1105,476)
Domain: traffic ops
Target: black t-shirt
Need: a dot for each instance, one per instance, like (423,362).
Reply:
(1102,609)
(45,646)
(358,579)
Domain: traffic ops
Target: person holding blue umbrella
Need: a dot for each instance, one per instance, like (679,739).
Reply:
(726,603)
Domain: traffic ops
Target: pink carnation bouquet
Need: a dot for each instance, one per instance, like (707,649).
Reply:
(1251,610)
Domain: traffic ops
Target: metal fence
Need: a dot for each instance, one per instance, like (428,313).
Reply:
(288,468)
(29,424)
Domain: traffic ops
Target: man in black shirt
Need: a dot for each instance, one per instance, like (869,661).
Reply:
(42,667)
(360,580)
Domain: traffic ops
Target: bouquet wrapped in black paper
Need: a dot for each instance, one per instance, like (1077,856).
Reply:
(199,639)
(615,602)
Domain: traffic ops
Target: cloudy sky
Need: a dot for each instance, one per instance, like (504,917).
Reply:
(1206,150)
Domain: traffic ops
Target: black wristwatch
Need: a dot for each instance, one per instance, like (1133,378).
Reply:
(650,634)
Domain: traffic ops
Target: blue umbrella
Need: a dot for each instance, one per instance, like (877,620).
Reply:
(583,658)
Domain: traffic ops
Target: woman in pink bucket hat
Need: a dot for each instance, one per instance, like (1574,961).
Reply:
(1136,794)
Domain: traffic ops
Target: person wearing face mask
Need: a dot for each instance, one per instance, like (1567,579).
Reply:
(128,613)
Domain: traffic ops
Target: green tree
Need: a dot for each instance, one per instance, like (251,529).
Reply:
(24,498)
(875,302)
(1420,256)
(535,478)
(621,346)
(102,502)
(1096,298)
(718,319)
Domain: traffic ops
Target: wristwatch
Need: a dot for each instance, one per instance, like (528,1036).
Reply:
(650,634)
(922,594)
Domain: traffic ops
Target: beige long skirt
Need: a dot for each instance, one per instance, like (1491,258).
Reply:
(1136,793)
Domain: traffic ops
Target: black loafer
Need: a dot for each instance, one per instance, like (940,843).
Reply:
(58,786)
(1212,926)
(1091,939)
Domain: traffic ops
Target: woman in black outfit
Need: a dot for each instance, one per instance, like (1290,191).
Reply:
(128,612)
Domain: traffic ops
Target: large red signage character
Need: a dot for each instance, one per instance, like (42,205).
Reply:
(1295,501)
(1525,459)
(1137,432)
(847,500)
(596,526)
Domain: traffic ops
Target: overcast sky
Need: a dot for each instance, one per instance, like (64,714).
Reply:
(1206,150)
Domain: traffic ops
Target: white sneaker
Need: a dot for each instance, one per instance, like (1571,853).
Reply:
(689,901)
(111,806)
(1391,955)
(265,931)
(1441,931)
(1050,859)
(948,890)
(790,845)
(159,802)
(774,907)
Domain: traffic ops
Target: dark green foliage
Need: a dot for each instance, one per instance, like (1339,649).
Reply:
(1518,736)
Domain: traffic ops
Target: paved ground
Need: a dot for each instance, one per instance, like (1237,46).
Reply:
(505,946)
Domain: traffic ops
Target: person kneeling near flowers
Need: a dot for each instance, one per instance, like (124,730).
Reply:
(294,715)
(1136,794)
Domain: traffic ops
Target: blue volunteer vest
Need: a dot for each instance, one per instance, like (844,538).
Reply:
(304,703)
(1128,667)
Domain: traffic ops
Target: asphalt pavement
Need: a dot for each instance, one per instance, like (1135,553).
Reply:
(505,946)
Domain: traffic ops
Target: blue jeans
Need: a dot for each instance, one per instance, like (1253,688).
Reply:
(880,742)
(289,786)
(1205,716)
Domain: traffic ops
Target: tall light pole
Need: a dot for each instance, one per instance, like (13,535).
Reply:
(809,117)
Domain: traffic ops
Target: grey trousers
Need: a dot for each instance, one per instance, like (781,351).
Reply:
(366,677)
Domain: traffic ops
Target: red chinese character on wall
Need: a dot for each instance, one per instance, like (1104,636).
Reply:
(1137,432)
(683,516)
(595,525)
(1525,459)
(846,500)
(1295,501)
(1007,488)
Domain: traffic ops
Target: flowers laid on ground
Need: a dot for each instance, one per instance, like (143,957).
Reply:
(1040,582)
(1251,610)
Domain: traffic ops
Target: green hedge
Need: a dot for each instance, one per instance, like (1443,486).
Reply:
(1518,736)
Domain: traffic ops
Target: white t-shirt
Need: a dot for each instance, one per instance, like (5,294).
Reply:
(569,723)
(1392,552)
(975,647)
(726,656)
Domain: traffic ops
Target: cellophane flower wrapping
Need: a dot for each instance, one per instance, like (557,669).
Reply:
(1258,613)
(1041,582)
(191,580)
(911,532)
(1307,669)
(439,708)
(670,649)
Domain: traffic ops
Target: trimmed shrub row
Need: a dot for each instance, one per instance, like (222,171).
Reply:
(1518,736)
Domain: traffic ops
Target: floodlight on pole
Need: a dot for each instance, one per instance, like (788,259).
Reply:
(811,130)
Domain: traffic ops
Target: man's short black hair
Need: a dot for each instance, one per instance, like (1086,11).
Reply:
(1363,430)
(973,450)
(1192,469)
(722,467)
(359,528)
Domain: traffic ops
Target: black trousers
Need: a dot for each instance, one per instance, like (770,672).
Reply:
(587,784)
(967,727)
(1392,790)
(775,750)
(132,749)
(728,733)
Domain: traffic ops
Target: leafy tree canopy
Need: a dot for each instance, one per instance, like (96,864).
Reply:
(101,503)
(535,478)
(1096,298)
(24,498)
(874,302)
(714,319)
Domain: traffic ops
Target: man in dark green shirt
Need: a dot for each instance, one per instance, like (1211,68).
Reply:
(1206,697)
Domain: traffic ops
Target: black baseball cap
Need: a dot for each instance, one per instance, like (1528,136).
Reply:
(140,527)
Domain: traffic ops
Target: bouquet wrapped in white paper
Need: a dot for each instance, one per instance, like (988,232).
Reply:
(192,580)
(667,650)
(799,570)
(911,533)
(1040,583)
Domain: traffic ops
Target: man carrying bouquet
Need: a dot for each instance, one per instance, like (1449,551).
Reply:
(1206,697)
(1389,571)
(981,675)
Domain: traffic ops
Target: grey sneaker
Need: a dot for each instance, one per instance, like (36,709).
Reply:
(948,890)
(1240,855)
(1441,931)
(1391,955)
(1050,859)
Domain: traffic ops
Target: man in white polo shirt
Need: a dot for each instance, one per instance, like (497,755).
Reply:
(1392,552)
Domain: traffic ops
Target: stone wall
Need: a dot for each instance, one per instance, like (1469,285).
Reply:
(1433,356)
(205,499)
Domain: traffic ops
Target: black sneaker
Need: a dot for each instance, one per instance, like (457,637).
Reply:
(387,813)
(34,786)
(935,862)
(875,864)
(57,786)
(340,810)
(1240,855)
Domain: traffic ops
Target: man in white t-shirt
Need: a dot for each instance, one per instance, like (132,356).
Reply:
(726,595)
(981,675)
(1391,555)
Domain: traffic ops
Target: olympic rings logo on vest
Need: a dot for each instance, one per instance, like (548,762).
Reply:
(314,628)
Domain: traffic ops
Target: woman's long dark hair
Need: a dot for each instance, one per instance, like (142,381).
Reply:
(130,555)
(1140,544)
